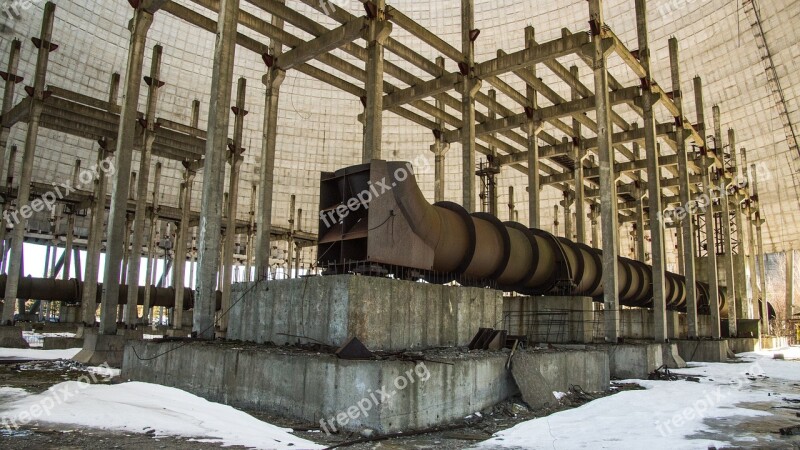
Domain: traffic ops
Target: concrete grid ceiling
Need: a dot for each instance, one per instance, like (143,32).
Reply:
(744,55)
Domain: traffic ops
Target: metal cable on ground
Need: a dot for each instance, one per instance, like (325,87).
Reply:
(215,323)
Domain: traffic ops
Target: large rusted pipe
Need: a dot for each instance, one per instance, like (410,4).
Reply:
(70,291)
(396,226)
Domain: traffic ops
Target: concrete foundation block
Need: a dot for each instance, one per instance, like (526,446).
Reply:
(101,348)
(705,350)
(11,337)
(61,343)
(774,342)
(744,345)
(672,356)
(384,314)
(540,373)
(553,320)
(320,388)
(180,332)
(634,361)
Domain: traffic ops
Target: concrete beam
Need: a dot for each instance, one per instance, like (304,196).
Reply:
(324,43)
(422,90)
(532,56)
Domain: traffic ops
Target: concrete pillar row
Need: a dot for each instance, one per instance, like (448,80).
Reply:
(154,83)
(23,209)
(213,174)
(608,185)
(11,80)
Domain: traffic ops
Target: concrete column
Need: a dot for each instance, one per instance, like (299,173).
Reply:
(748,211)
(290,239)
(511,205)
(70,237)
(657,250)
(180,245)
(273,82)
(213,173)
(11,80)
(142,19)
(708,185)
(640,250)
(729,261)
(94,243)
(248,277)
(686,230)
(790,284)
(532,131)
(23,196)
(492,164)
(742,305)
(235,159)
(9,182)
(471,86)
(439,148)
(379,30)
(762,264)
(154,82)
(594,214)
(578,153)
(569,198)
(608,185)
(151,245)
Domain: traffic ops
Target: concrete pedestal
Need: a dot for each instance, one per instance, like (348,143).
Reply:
(638,360)
(705,350)
(11,337)
(101,348)
(554,320)
(317,387)
(385,314)
(540,373)
(180,333)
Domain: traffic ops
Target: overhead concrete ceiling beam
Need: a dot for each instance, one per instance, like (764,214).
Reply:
(322,44)
(531,56)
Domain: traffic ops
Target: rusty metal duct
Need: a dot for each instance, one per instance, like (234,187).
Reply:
(69,291)
(375,220)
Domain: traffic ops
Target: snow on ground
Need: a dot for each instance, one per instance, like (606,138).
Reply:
(140,407)
(667,415)
(38,354)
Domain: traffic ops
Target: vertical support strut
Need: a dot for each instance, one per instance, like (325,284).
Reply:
(211,210)
(577,156)
(686,230)
(142,20)
(23,196)
(471,86)
(181,244)
(154,82)
(712,277)
(11,80)
(732,297)
(235,158)
(272,80)
(379,30)
(439,147)
(608,185)
(655,215)
(533,128)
